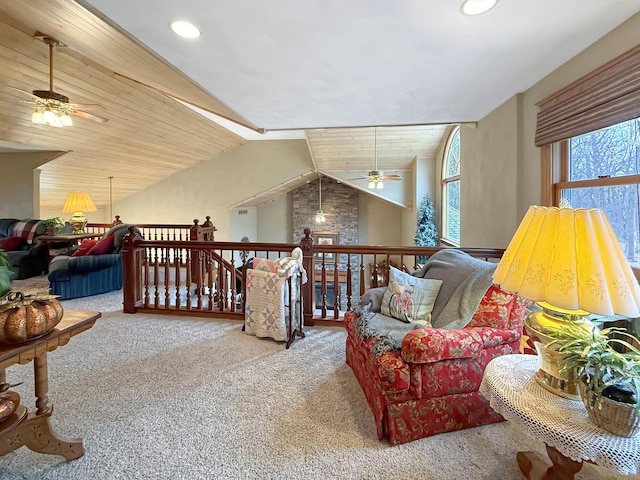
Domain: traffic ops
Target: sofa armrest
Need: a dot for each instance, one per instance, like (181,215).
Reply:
(428,345)
(91,263)
(494,337)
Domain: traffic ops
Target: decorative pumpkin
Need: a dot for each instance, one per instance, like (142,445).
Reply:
(9,401)
(25,318)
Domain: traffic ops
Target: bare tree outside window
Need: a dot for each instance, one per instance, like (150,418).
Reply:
(611,156)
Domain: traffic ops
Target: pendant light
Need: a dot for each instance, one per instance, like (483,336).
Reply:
(320,215)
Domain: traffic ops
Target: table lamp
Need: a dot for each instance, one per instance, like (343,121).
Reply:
(571,263)
(78,203)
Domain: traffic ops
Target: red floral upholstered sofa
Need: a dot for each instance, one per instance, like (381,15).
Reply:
(429,385)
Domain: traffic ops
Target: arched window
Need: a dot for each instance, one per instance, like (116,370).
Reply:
(451,190)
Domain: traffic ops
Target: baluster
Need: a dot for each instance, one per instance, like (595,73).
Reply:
(336,291)
(323,288)
(348,282)
(222,284)
(188,279)
(210,284)
(177,283)
(167,278)
(362,282)
(156,281)
(234,282)
(146,277)
(200,283)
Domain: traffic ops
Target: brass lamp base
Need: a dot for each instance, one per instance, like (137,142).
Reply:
(78,221)
(542,327)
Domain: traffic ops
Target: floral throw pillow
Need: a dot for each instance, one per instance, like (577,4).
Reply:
(408,298)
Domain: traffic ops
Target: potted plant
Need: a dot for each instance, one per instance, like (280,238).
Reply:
(610,379)
(53,224)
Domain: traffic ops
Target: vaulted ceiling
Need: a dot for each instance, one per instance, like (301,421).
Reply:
(270,65)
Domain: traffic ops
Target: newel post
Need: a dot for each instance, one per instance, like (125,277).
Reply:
(309,288)
(132,272)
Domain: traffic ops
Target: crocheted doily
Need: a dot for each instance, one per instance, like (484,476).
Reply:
(509,386)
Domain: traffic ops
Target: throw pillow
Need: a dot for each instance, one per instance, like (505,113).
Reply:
(103,246)
(28,228)
(494,309)
(85,247)
(12,243)
(409,298)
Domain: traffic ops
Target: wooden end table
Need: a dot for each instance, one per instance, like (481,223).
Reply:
(563,425)
(33,429)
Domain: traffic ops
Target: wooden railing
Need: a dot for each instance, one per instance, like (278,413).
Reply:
(166,232)
(208,279)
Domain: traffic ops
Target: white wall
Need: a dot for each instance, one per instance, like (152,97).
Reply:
(243,222)
(379,222)
(211,187)
(488,169)
(274,221)
(500,163)
(20,183)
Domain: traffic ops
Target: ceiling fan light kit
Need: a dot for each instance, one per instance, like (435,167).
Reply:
(52,108)
(376,176)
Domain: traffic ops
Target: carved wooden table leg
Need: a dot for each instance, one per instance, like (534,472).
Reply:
(535,467)
(35,432)
(42,383)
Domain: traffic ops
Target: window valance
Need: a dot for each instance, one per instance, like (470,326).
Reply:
(606,96)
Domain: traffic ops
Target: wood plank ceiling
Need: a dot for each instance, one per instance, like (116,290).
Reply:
(149,136)
(354,149)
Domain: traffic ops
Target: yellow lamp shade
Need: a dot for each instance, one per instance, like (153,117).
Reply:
(78,202)
(570,259)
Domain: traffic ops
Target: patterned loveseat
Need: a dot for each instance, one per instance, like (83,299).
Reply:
(427,383)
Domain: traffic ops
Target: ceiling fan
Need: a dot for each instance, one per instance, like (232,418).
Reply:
(376,176)
(52,108)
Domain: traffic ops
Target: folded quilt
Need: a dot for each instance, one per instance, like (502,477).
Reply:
(265,308)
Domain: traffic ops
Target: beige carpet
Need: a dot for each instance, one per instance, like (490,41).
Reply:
(166,397)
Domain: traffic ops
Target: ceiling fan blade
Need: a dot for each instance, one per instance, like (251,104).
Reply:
(90,116)
(358,178)
(23,91)
(88,106)
(392,177)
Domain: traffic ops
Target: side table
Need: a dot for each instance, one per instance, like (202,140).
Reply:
(562,424)
(33,429)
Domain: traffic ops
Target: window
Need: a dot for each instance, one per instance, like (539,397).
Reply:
(600,169)
(451,190)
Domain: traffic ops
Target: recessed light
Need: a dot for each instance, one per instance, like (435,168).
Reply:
(185,29)
(476,7)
